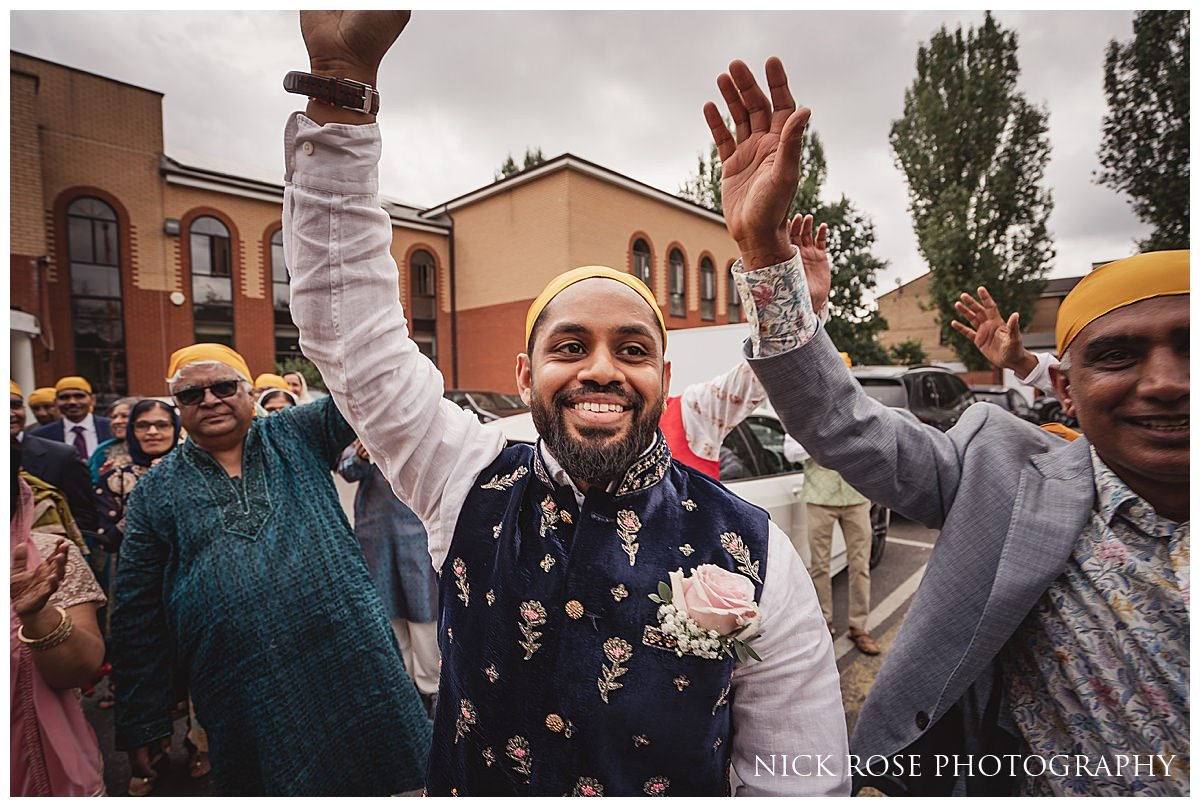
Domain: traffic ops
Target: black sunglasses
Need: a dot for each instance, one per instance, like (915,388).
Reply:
(194,395)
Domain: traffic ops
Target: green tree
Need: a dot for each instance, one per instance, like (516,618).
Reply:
(509,166)
(909,352)
(974,152)
(1145,150)
(853,324)
(301,365)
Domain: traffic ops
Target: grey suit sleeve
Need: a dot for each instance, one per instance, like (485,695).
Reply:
(886,454)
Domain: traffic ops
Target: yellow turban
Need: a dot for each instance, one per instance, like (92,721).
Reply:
(587,273)
(846,358)
(271,380)
(42,395)
(207,351)
(13,389)
(1118,284)
(73,382)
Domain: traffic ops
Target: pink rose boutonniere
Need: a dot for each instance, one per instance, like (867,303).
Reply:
(709,614)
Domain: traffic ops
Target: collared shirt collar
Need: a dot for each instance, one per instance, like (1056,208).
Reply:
(1116,499)
(88,424)
(561,477)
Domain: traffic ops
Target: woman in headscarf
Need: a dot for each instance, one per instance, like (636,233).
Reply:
(153,431)
(113,452)
(298,385)
(54,647)
(275,399)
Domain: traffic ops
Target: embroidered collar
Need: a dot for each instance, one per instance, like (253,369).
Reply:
(645,472)
(243,504)
(1116,499)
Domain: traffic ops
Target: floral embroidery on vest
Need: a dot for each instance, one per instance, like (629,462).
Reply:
(517,749)
(506,481)
(492,673)
(681,682)
(737,549)
(688,505)
(628,525)
(533,614)
(619,592)
(687,550)
(466,719)
(656,786)
(490,597)
(547,563)
(460,572)
(640,741)
(617,650)
(489,757)
(587,786)
(549,516)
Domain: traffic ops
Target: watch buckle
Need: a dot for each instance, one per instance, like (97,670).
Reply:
(370,94)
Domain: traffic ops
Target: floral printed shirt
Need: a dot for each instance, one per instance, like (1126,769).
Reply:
(1100,666)
(777,305)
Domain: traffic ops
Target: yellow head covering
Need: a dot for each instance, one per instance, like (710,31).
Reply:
(207,351)
(271,380)
(846,358)
(73,382)
(42,395)
(586,273)
(1118,284)
(14,389)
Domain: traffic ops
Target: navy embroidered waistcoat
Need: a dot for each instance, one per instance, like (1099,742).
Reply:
(554,678)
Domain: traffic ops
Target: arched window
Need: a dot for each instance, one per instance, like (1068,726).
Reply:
(732,301)
(287,336)
(94,251)
(677,279)
(708,289)
(422,307)
(212,280)
(642,266)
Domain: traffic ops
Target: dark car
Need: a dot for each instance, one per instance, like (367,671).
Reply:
(1006,398)
(934,394)
(486,405)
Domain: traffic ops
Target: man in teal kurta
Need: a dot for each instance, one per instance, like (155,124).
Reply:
(240,573)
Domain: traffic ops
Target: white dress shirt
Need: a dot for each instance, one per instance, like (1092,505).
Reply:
(345,302)
(711,409)
(1039,377)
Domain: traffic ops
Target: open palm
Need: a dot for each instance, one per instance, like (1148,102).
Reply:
(30,589)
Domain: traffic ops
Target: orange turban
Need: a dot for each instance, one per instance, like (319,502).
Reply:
(1118,284)
(73,382)
(207,351)
(13,389)
(271,380)
(587,273)
(42,395)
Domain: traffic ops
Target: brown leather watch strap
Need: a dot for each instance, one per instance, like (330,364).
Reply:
(341,92)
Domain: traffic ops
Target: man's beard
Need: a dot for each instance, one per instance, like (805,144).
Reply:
(593,459)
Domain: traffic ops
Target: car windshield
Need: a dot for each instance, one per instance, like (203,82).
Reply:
(887,391)
(499,401)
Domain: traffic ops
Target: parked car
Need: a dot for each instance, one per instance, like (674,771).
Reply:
(753,467)
(487,406)
(1006,398)
(934,394)
(1048,409)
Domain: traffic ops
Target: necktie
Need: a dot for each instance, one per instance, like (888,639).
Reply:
(80,443)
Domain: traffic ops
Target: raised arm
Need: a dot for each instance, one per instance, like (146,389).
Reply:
(890,457)
(345,294)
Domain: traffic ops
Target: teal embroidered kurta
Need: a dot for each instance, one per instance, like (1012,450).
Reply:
(254,589)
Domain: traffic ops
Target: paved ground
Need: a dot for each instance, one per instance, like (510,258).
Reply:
(892,585)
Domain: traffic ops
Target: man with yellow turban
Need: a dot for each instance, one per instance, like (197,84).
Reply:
(238,569)
(41,402)
(560,673)
(1050,632)
(78,427)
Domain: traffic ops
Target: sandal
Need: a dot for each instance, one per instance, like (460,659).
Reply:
(140,786)
(863,641)
(199,767)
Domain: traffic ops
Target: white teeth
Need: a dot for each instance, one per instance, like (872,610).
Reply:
(1178,424)
(589,406)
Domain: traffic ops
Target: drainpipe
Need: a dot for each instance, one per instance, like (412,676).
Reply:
(453,309)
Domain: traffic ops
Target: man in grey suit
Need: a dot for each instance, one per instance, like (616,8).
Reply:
(1047,649)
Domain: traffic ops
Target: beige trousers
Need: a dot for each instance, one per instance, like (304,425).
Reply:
(856,528)
(419,649)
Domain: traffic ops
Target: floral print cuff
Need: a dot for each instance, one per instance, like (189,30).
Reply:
(777,305)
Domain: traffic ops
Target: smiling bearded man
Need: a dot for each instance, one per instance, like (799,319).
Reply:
(560,673)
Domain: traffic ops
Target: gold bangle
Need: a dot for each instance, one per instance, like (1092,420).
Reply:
(52,639)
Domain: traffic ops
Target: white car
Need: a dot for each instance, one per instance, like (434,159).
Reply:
(753,467)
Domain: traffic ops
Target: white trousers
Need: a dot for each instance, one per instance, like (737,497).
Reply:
(419,648)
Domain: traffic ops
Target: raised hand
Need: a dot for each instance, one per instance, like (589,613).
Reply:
(30,589)
(814,258)
(760,169)
(350,44)
(998,340)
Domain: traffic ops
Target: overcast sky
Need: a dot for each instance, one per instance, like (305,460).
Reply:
(623,89)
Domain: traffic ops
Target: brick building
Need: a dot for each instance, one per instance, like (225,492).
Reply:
(122,254)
